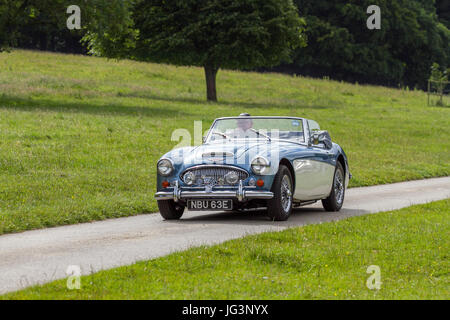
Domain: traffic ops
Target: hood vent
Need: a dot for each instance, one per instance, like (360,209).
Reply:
(218,154)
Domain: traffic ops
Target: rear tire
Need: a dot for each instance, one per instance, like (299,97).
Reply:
(336,199)
(170,210)
(279,208)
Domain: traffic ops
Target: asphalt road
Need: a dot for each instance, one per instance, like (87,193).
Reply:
(41,256)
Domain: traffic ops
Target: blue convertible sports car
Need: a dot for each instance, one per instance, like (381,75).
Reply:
(254,162)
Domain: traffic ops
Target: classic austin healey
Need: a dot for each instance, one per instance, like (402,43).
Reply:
(249,162)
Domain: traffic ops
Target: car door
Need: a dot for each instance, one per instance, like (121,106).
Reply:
(314,173)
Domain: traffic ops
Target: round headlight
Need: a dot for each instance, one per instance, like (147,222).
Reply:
(260,165)
(231,177)
(189,178)
(165,167)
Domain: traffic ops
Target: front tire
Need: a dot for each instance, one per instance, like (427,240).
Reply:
(336,199)
(170,210)
(279,208)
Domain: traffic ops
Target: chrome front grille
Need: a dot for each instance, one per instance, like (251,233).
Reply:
(213,175)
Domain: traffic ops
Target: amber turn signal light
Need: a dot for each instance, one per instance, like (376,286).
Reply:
(165,184)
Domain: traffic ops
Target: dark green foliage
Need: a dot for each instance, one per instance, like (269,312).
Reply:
(213,34)
(247,34)
(109,28)
(38,25)
(231,34)
(41,24)
(401,53)
(234,34)
(11,16)
(443,12)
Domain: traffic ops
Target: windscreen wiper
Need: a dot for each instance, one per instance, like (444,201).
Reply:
(221,134)
(261,134)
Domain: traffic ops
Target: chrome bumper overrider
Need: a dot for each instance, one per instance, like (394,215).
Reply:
(240,194)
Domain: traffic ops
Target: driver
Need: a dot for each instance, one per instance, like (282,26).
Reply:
(244,127)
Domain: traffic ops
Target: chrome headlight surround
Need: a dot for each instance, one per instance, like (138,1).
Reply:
(165,167)
(260,165)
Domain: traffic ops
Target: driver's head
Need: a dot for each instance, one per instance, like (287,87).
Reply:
(243,123)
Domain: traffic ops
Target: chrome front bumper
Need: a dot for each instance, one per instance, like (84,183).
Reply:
(241,194)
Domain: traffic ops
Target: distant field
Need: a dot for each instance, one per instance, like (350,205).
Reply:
(325,261)
(80,136)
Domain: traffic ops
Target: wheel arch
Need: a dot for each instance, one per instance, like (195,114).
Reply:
(288,164)
(341,160)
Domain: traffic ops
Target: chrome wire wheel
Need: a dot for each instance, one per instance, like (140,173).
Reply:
(335,200)
(286,193)
(339,187)
(279,208)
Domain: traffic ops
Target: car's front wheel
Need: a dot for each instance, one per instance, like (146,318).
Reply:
(336,199)
(280,206)
(170,210)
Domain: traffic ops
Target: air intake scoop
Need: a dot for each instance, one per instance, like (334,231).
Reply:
(218,154)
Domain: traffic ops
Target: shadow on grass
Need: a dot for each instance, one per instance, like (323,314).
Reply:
(149,96)
(32,104)
(89,107)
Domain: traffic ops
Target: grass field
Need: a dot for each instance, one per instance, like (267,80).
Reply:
(80,136)
(327,261)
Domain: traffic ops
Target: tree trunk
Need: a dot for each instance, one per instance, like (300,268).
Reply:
(210,75)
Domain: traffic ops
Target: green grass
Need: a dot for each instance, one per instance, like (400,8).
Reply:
(80,136)
(325,261)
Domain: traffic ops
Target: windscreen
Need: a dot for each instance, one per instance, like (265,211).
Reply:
(245,128)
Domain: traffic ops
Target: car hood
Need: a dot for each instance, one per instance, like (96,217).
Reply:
(242,152)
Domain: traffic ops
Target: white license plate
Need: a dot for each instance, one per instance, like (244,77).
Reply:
(210,205)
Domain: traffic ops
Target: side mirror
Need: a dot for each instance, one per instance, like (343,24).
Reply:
(203,139)
(322,138)
(315,139)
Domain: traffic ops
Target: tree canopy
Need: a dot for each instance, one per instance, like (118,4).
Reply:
(411,38)
(233,34)
(247,34)
(12,14)
(38,25)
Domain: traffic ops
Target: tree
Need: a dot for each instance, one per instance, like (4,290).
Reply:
(440,79)
(443,12)
(400,53)
(213,34)
(12,14)
(37,24)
